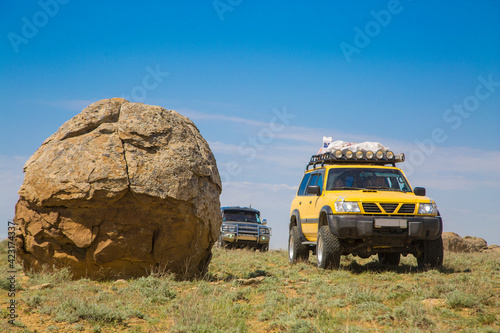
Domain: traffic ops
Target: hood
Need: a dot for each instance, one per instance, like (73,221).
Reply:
(378,196)
(253,224)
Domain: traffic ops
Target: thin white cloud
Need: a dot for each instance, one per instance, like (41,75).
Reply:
(290,132)
(218,147)
(449,168)
(259,186)
(455,168)
(197,115)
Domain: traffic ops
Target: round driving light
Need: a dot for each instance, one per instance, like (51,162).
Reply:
(369,154)
(359,154)
(389,154)
(338,154)
(349,154)
(379,154)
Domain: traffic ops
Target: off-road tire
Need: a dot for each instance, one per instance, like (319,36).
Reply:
(328,249)
(296,250)
(391,259)
(432,257)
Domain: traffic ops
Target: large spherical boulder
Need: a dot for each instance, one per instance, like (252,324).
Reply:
(120,190)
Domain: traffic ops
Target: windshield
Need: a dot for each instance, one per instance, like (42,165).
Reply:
(366,178)
(240,216)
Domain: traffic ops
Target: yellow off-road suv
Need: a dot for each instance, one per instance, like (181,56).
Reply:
(360,203)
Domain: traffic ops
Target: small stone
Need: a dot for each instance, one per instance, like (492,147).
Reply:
(42,286)
(250,281)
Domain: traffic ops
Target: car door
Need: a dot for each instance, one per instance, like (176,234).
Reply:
(310,206)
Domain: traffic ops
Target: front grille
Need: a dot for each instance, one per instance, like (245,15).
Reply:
(389,207)
(371,207)
(407,209)
(246,229)
(249,230)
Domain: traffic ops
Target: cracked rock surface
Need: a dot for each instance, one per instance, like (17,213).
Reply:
(120,190)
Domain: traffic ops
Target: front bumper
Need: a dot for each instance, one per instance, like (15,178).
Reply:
(235,238)
(361,226)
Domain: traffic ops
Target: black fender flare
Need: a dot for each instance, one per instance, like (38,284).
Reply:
(296,214)
(327,210)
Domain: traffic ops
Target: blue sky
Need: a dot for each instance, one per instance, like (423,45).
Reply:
(264,82)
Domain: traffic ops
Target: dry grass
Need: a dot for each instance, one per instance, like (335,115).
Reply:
(362,296)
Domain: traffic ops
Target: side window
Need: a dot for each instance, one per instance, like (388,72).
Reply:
(317,179)
(313,181)
(320,181)
(303,184)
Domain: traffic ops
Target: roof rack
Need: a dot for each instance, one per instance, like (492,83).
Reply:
(360,157)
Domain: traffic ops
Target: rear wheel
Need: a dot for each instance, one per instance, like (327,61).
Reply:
(432,256)
(328,249)
(391,259)
(296,250)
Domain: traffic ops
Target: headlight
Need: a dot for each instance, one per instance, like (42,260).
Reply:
(229,228)
(369,154)
(379,154)
(389,154)
(349,154)
(338,154)
(359,154)
(427,208)
(347,207)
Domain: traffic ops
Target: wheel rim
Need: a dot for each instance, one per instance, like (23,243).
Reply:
(320,250)
(290,249)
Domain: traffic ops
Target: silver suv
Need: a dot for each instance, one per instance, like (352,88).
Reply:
(243,227)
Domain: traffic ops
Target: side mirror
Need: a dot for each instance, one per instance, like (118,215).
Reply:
(264,222)
(313,189)
(419,191)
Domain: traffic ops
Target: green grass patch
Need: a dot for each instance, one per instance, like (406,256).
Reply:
(361,296)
